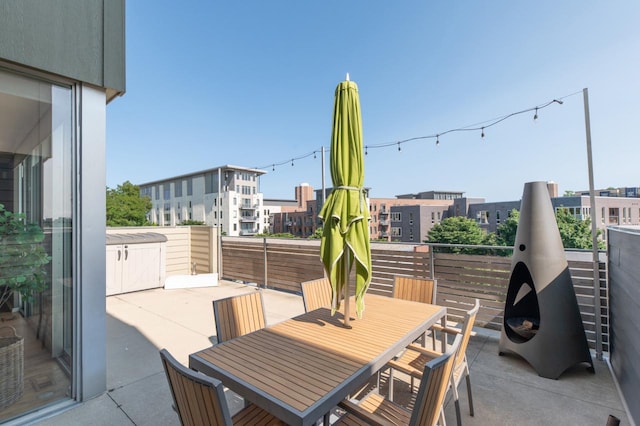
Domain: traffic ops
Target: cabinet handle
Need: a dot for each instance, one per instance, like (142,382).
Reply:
(126,254)
(119,255)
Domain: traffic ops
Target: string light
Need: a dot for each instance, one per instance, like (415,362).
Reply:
(473,127)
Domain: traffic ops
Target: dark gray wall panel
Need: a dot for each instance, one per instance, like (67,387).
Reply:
(624,299)
(79,39)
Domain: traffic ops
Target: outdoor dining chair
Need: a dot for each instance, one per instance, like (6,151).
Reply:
(239,315)
(428,410)
(412,360)
(316,294)
(421,290)
(199,399)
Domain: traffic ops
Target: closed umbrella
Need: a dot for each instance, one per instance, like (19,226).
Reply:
(345,235)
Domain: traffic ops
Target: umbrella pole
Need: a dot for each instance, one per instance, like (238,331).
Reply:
(347,319)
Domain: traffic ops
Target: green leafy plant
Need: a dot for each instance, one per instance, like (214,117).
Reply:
(22,257)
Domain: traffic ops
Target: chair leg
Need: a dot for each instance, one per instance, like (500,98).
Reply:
(469,393)
(391,384)
(443,422)
(456,400)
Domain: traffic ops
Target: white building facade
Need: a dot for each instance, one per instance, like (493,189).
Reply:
(228,197)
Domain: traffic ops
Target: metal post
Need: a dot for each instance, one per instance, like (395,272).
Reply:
(219,201)
(323,184)
(264,249)
(594,230)
(347,314)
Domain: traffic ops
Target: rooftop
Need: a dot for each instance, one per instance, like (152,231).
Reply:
(506,390)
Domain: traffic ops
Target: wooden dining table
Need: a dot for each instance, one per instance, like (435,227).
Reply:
(299,369)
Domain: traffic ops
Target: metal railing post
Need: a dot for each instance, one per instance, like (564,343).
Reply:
(264,249)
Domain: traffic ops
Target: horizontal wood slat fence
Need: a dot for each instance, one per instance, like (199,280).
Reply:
(283,264)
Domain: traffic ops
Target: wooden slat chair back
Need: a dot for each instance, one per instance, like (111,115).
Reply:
(433,387)
(316,294)
(416,289)
(239,315)
(428,406)
(199,399)
(415,356)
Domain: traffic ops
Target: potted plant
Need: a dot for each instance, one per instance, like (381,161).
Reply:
(22,271)
(22,258)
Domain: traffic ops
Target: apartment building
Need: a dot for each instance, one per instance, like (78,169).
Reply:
(610,211)
(228,197)
(298,217)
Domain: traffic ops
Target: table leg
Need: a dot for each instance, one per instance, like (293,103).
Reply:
(443,322)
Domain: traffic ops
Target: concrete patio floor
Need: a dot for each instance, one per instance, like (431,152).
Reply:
(506,390)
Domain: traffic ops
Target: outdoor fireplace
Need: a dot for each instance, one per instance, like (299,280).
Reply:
(542,322)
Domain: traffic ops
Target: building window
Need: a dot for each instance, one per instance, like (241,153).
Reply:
(396,217)
(177,188)
(482,217)
(190,186)
(497,217)
(396,231)
(210,182)
(166,193)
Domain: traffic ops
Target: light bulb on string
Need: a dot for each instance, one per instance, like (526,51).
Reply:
(399,149)
(314,155)
(292,162)
(366,150)
(437,140)
(535,116)
(482,134)
(274,168)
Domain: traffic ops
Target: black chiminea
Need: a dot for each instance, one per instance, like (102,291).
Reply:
(542,322)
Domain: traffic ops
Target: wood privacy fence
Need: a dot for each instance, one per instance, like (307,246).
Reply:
(284,263)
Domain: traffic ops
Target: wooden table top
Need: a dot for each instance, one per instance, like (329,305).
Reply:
(301,368)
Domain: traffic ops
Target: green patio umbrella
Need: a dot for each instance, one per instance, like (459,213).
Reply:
(345,235)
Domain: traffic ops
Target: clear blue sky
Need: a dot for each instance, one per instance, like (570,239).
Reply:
(251,83)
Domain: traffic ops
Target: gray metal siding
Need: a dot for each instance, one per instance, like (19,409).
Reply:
(82,40)
(624,300)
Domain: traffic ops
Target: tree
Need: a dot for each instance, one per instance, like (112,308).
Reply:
(457,230)
(506,231)
(189,222)
(575,233)
(125,206)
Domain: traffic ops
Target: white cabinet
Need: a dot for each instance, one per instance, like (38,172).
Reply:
(135,262)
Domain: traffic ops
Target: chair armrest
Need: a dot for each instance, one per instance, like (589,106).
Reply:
(424,351)
(448,329)
(406,369)
(366,416)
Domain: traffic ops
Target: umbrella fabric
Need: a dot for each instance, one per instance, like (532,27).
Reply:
(345,236)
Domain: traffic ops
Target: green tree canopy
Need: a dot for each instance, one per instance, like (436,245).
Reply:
(575,233)
(506,231)
(125,206)
(457,230)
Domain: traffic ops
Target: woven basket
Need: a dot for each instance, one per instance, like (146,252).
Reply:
(11,367)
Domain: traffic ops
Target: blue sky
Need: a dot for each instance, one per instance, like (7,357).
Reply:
(251,84)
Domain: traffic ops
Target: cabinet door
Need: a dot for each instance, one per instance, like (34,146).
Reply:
(141,263)
(114,269)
